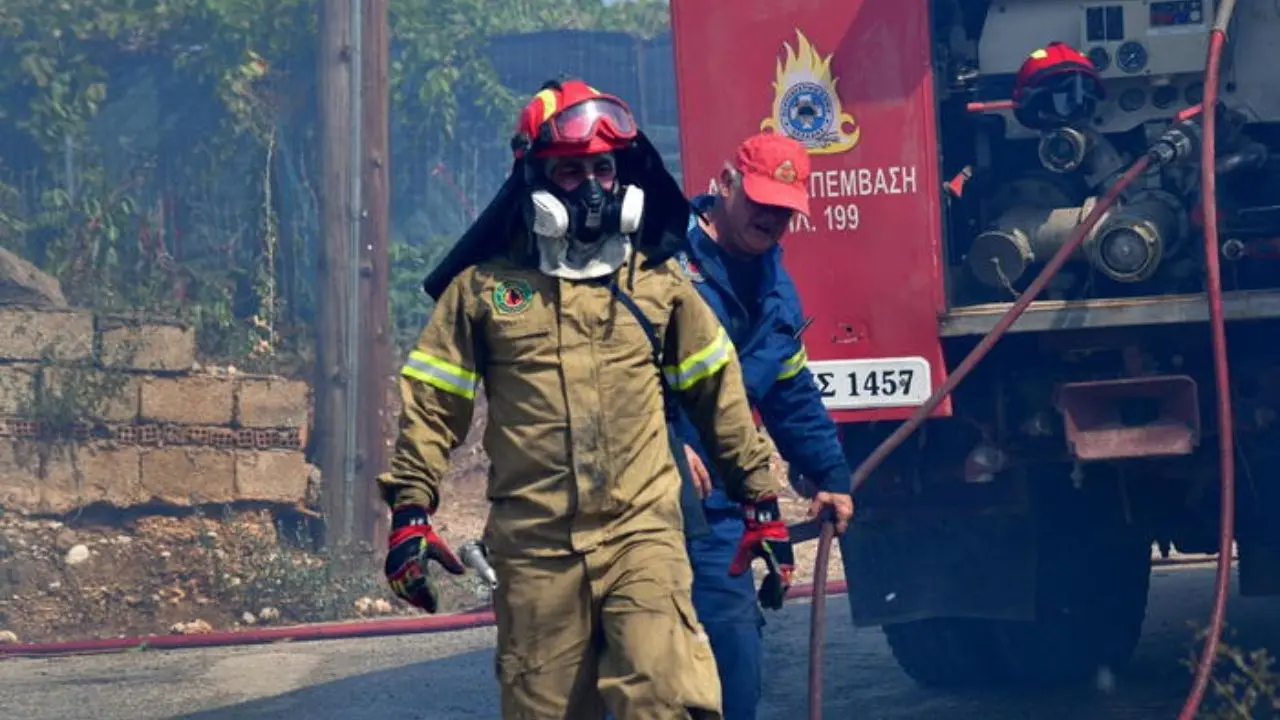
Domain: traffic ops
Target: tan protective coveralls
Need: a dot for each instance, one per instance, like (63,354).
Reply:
(585,530)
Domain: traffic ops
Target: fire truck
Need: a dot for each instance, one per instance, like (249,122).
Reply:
(1010,539)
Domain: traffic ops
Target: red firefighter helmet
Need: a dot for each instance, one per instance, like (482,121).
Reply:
(1057,85)
(570,117)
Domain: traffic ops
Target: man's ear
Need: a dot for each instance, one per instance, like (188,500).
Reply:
(725,186)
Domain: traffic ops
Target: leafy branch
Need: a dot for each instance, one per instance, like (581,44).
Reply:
(126,123)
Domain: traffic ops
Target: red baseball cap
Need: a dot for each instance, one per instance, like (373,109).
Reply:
(775,171)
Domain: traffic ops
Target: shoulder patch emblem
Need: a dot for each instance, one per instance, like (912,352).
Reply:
(512,296)
(689,268)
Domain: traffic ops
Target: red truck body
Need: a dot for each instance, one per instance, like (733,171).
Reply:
(854,81)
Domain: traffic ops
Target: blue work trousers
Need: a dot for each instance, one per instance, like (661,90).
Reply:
(727,608)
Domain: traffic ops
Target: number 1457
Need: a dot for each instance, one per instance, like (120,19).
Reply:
(868,383)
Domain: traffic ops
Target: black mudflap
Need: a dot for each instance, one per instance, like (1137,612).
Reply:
(978,566)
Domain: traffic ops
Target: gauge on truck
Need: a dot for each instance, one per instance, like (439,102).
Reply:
(1131,57)
(1100,58)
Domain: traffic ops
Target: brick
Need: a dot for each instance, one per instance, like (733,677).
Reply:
(272,403)
(107,396)
(147,346)
(38,334)
(73,476)
(17,390)
(189,475)
(189,400)
(83,474)
(271,475)
(20,481)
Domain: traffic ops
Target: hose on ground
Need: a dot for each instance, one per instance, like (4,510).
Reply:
(475,618)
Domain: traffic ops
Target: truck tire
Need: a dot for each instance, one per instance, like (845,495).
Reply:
(943,652)
(1092,578)
(1093,572)
(1076,635)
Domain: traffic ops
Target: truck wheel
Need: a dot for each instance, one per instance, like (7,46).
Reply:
(943,652)
(1093,574)
(1076,635)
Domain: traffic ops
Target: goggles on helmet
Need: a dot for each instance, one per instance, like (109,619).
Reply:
(582,121)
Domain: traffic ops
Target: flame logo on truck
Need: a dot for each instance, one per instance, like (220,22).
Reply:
(806,106)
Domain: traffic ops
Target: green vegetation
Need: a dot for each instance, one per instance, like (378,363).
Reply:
(1245,684)
(62,405)
(161,154)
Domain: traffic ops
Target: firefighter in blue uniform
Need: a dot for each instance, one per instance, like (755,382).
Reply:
(734,260)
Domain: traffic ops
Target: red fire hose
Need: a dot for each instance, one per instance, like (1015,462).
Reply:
(1221,372)
(1226,438)
(258,636)
(476,618)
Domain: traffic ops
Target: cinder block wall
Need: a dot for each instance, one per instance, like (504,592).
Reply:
(159,430)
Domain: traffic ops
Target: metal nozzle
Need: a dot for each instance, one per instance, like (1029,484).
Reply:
(1176,143)
(1064,150)
(473,555)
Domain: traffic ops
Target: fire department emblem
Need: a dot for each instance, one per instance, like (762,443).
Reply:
(689,268)
(512,296)
(786,173)
(806,106)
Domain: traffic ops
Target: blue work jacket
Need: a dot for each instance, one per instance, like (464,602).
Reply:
(774,365)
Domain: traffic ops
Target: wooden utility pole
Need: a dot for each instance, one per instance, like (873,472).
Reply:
(333,370)
(377,381)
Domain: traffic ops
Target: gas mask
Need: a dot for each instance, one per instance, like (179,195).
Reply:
(584,233)
(587,214)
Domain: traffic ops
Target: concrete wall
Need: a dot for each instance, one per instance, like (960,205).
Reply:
(149,425)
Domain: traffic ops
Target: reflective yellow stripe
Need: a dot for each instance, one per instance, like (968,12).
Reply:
(701,365)
(548,98)
(440,374)
(794,365)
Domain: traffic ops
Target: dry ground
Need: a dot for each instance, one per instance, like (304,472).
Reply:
(109,573)
(450,676)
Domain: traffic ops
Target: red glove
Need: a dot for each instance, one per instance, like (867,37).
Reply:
(766,537)
(412,543)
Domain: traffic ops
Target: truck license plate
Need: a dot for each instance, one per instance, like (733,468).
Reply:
(874,383)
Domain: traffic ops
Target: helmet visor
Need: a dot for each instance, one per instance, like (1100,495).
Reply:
(581,122)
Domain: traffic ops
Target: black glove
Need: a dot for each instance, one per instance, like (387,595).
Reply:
(412,543)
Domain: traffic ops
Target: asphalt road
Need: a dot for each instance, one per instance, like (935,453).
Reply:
(449,677)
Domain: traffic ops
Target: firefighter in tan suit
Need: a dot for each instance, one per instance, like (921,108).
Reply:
(585,530)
